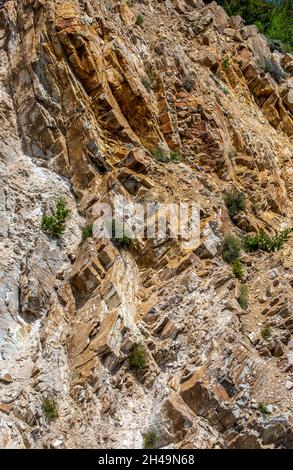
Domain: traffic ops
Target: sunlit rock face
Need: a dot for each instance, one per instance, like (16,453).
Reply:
(106,103)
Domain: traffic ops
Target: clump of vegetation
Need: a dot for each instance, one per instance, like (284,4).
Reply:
(119,236)
(54,225)
(225,63)
(231,248)
(237,269)
(266,332)
(274,69)
(87,232)
(262,241)
(235,202)
(50,409)
(225,90)
(160,155)
(139,19)
(243,297)
(150,440)
(138,357)
(263,408)
(175,156)
(129,3)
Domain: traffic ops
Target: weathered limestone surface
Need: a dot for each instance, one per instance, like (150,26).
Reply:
(86,96)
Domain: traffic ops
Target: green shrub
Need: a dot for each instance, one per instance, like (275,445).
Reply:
(124,240)
(243,297)
(150,440)
(87,232)
(231,248)
(225,90)
(54,225)
(160,155)
(263,408)
(266,332)
(175,156)
(225,63)
(237,269)
(235,202)
(129,3)
(139,20)
(138,357)
(50,409)
(262,241)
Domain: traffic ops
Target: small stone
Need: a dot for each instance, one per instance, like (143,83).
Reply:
(5,408)
(289,385)
(6,378)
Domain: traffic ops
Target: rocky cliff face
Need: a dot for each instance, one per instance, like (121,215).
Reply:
(90,91)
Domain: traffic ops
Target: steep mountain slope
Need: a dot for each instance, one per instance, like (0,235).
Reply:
(98,99)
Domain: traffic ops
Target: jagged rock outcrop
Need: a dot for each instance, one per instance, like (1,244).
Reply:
(87,97)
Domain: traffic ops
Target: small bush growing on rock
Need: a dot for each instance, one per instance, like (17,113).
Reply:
(231,248)
(50,409)
(54,225)
(243,297)
(123,240)
(87,232)
(263,408)
(139,19)
(129,3)
(262,241)
(138,357)
(225,90)
(175,156)
(274,69)
(266,332)
(225,63)
(159,155)
(237,269)
(150,440)
(235,202)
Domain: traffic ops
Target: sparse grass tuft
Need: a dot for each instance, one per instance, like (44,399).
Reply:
(50,409)
(231,248)
(150,440)
(266,332)
(175,156)
(235,202)
(243,299)
(237,269)
(139,19)
(225,63)
(87,232)
(160,155)
(138,357)
(263,408)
